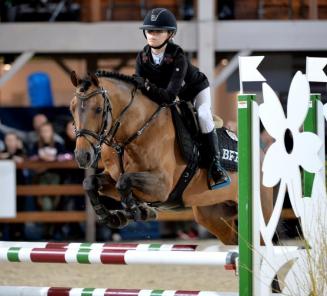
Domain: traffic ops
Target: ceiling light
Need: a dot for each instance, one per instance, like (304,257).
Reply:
(6,67)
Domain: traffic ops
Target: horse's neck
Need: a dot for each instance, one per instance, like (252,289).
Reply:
(137,114)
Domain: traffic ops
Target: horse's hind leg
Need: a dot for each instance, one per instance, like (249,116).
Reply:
(220,220)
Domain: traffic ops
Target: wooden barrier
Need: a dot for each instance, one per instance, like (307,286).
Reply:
(80,216)
(47,217)
(76,190)
(37,165)
(52,190)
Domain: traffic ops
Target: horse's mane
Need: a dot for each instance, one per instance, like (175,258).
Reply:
(116,75)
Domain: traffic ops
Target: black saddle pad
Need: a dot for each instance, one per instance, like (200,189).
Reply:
(228,149)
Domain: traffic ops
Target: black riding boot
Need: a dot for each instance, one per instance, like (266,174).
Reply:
(218,174)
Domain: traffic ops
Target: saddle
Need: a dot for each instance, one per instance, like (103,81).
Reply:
(189,135)
(193,150)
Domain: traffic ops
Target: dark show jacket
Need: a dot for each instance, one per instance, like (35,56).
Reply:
(174,76)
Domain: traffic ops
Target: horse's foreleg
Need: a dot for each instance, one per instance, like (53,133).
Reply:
(92,184)
(150,183)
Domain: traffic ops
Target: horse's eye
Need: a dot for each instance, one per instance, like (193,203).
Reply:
(98,110)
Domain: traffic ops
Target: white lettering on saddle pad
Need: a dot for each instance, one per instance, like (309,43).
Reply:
(230,155)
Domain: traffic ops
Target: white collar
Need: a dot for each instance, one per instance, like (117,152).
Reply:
(157,58)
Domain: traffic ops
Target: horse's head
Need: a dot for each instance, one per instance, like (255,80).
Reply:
(91,111)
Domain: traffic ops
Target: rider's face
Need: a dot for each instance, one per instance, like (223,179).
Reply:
(156,38)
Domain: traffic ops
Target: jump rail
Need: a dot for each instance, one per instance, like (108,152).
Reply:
(50,291)
(128,257)
(105,246)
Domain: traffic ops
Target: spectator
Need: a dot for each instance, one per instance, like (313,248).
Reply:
(30,137)
(226,9)
(70,231)
(2,145)
(188,10)
(70,138)
(47,148)
(13,148)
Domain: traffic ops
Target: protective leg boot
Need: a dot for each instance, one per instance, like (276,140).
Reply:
(217,172)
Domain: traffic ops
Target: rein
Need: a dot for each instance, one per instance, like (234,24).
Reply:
(120,147)
(108,138)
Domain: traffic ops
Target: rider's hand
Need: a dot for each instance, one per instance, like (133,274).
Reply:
(139,81)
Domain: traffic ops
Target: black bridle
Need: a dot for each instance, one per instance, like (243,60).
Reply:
(99,137)
(108,137)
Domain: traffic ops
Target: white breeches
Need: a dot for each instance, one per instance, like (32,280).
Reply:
(202,104)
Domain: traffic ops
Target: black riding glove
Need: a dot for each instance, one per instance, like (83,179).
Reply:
(157,94)
(139,82)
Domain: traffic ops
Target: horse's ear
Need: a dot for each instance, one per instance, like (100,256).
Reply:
(94,79)
(74,78)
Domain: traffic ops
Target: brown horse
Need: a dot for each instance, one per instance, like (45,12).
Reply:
(141,157)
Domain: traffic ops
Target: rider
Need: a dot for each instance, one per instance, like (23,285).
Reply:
(163,72)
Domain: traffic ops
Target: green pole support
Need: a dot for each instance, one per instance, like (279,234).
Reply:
(245,194)
(310,125)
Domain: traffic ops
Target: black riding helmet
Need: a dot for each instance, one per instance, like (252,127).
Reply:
(160,19)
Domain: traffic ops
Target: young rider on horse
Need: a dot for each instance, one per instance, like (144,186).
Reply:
(163,72)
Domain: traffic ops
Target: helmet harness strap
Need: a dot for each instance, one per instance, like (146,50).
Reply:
(163,44)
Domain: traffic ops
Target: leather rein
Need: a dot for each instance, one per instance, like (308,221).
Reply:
(107,137)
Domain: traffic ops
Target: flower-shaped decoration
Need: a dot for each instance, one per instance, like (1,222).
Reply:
(325,111)
(292,148)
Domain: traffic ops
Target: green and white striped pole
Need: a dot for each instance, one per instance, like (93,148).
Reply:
(245,237)
(310,125)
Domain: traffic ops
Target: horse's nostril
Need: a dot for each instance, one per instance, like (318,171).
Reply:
(88,156)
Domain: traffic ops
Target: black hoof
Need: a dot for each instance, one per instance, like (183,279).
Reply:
(134,214)
(148,213)
(141,213)
(114,219)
